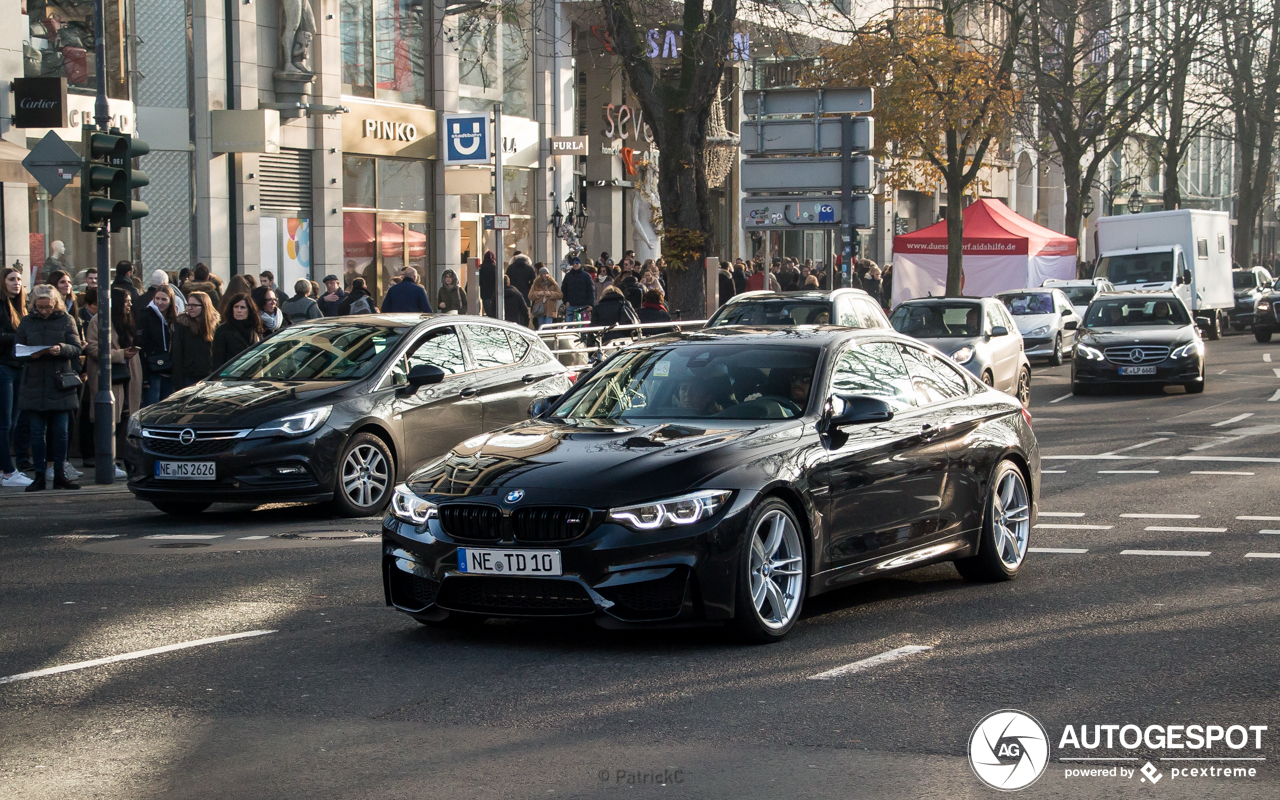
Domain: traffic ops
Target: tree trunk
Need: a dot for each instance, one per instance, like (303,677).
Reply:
(1075,190)
(1246,204)
(1171,153)
(955,235)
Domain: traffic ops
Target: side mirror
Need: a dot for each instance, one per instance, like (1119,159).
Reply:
(843,410)
(999,330)
(542,405)
(1070,325)
(424,375)
(1185,277)
(1066,312)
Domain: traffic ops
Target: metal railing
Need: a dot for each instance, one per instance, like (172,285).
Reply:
(555,330)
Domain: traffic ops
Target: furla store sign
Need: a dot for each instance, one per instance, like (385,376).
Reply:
(386,130)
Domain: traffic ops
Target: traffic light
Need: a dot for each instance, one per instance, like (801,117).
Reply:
(108,180)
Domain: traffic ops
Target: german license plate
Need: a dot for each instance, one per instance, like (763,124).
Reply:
(186,470)
(1137,370)
(483,561)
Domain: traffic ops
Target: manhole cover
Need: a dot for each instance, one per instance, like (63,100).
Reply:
(179,545)
(322,535)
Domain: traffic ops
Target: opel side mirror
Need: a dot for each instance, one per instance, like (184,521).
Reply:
(424,375)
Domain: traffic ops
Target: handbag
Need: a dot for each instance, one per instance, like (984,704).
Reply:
(68,380)
(160,364)
(119,373)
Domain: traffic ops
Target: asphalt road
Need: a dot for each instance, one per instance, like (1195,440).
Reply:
(344,698)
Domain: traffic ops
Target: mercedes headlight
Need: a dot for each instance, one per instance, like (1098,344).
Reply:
(963,356)
(1089,353)
(684,510)
(1043,330)
(1195,347)
(1264,305)
(408,507)
(135,426)
(295,424)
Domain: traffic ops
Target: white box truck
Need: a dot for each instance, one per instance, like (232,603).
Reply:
(1186,251)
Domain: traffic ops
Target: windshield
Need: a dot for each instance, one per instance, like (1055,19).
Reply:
(721,381)
(1131,312)
(938,320)
(1137,268)
(1243,280)
(774,311)
(1080,295)
(316,353)
(1022,305)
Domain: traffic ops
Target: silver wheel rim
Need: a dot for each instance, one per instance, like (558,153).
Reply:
(365,476)
(1011,518)
(777,570)
(1024,388)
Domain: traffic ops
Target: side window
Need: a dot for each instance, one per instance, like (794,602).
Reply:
(519,345)
(442,348)
(874,369)
(994,318)
(846,315)
(871,314)
(935,380)
(489,346)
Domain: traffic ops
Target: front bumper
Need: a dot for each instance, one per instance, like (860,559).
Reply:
(250,471)
(623,578)
(1039,346)
(1183,370)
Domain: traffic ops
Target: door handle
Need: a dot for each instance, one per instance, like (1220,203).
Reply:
(928,431)
(530,378)
(468,392)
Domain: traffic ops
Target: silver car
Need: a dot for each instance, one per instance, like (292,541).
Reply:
(1080,292)
(1046,319)
(978,334)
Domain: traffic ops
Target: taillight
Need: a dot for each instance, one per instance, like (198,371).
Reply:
(1027,416)
(573,377)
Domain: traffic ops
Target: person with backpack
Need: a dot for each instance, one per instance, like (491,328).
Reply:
(301,307)
(357,301)
(614,309)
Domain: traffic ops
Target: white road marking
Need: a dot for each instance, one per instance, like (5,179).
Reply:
(1274,397)
(1260,519)
(1128,472)
(1216,472)
(1222,372)
(1053,472)
(1136,446)
(253,538)
(1161,516)
(1063,526)
(1262,555)
(1166,529)
(1060,399)
(1200,553)
(1269,531)
(1099,457)
(1058,549)
(1276,370)
(1062,513)
(84,536)
(1224,459)
(1266,357)
(184,536)
(867,663)
(1234,419)
(1223,440)
(98,662)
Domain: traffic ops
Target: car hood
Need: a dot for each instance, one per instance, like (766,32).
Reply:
(1029,322)
(950,344)
(603,465)
(1141,334)
(237,404)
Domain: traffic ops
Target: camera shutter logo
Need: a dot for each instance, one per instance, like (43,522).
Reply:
(1008,750)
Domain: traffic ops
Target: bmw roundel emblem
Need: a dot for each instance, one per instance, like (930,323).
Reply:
(187,436)
(514,497)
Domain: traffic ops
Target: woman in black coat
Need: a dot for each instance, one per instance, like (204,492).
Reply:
(240,330)
(193,341)
(155,340)
(49,381)
(614,309)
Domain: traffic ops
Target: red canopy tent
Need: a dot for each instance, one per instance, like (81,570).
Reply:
(1001,251)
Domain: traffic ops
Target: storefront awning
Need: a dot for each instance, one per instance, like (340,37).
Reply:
(11,169)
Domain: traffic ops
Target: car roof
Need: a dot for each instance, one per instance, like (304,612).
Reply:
(933,300)
(816,335)
(802,294)
(1031,290)
(414,320)
(1140,294)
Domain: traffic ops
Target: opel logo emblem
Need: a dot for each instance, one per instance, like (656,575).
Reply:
(514,497)
(187,436)
(1136,354)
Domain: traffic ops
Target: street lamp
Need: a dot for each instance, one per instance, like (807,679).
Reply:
(557,219)
(1086,208)
(1136,203)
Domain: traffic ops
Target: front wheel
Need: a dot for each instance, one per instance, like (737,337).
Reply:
(772,578)
(1262,336)
(365,474)
(1006,529)
(1055,360)
(179,509)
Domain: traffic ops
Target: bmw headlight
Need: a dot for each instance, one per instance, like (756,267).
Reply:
(1189,349)
(1043,330)
(962,356)
(1089,353)
(684,510)
(295,424)
(408,507)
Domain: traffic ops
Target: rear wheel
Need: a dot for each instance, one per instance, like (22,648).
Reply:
(1024,388)
(988,378)
(365,474)
(1262,336)
(1055,360)
(1006,529)
(772,578)
(179,509)
(1213,332)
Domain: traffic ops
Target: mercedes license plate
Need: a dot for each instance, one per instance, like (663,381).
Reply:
(186,470)
(1137,370)
(509,562)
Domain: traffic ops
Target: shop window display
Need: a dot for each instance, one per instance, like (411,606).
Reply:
(60,44)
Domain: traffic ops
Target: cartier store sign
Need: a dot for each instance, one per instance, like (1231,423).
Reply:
(389,130)
(39,102)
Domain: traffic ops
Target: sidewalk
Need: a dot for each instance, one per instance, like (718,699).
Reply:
(10,494)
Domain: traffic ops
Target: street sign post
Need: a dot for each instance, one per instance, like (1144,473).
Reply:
(804,136)
(52,163)
(806,174)
(798,212)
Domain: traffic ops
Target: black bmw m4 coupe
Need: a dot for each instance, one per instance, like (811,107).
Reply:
(720,477)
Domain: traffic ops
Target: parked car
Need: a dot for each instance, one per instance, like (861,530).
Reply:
(1046,320)
(720,477)
(338,409)
(1138,337)
(1080,292)
(1250,285)
(977,332)
(851,308)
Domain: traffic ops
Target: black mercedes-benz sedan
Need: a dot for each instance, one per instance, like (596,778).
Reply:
(720,476)
(337,409)
(1138,337)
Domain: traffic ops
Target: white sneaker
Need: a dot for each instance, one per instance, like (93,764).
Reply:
(121,475)
(16,480)
(48,474)
(72,472)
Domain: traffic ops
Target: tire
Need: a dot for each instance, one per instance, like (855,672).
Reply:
(366,477)
(1006,529)
(1197,387)
(1262,336)
(179,509)
(1055,360)
(988,378)
(1214,332)
(1081,389)
(758,587)
(1023,390)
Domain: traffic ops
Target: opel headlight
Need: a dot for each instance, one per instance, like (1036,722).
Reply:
(962,356)
(295,424)
(1043,330)
(408,507)
(684,510)
(1187,350)
(1090,353)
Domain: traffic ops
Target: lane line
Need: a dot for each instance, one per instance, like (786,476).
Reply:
(98,662)
(1262,555)
(1276,370)
(1234,419)
(1060,399)
(1053,472)
(1137,446)
(873,661)
(1274,397)
(1058,549)
(1062,526)
(1269,532)
(1260,519)
(1128,472)
(1062,513)
(1223,459)
(1215,472)
(1200,553)
(184,536)
(84,536)
(1266,357)
(1161,516)
(253,538)
(1099,457)
(1224,440)
(1167,529)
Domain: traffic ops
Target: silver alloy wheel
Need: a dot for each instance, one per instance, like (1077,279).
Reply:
(1011,518)
(776,570)
(365,476)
